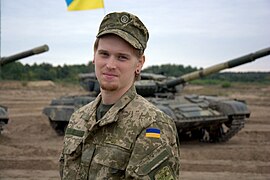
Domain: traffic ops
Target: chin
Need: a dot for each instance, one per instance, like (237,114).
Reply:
(109,87)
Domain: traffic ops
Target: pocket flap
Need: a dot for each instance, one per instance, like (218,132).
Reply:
(71,143)
(113,157)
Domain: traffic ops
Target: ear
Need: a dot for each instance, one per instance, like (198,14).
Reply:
(93,62)
(141,62)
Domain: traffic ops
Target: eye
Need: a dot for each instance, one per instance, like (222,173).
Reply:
(103,53)
(122,58)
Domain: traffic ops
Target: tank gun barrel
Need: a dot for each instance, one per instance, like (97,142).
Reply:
(24,54)
(218,67)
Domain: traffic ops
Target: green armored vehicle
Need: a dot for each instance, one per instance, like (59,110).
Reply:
(6,60)
(208,118)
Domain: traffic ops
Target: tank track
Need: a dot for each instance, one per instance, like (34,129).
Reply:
(219,135)
(59,127)
(1,126)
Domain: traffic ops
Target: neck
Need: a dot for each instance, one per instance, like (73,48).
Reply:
(110,97)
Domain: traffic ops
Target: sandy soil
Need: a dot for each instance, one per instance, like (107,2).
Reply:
(29,148)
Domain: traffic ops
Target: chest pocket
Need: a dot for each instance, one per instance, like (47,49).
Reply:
(112,156)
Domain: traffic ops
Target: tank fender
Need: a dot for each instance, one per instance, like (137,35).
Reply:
(58,113)
(231,107)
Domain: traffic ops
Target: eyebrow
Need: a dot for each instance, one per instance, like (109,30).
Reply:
(120,53)
(101,50)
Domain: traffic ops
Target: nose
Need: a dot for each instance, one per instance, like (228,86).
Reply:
(111,63)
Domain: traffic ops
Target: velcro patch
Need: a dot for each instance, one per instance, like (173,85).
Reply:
(74,132)
(164,173)
(152,133)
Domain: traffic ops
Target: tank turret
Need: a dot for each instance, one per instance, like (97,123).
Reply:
(89,82)
(208,118)
(4,118)
(153,87)
(24,54)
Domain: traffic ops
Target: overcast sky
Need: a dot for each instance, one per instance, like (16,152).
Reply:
(199,33)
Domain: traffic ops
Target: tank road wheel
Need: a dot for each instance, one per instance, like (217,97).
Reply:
(226,131)
(216,133)
(59,127)
(1,126)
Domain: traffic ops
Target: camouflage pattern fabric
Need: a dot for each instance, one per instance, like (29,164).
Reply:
(127,26)
(133,140)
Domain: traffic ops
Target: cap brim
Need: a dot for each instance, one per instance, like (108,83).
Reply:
(124,35)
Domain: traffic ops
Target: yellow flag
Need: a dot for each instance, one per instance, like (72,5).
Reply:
(76,5)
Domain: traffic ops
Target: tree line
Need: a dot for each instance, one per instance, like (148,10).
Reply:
(44,71)
(69,73)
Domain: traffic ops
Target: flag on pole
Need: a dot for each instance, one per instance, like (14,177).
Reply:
(76,5)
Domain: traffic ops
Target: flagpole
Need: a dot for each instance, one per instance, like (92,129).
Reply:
(104,11)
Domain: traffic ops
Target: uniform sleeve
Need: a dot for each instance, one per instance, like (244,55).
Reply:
(156,153)
(61,164)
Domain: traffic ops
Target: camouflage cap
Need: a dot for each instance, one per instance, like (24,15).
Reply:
(127,26)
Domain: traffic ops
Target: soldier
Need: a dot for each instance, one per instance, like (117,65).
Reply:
(120,135)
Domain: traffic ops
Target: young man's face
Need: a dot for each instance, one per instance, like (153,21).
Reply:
(115,63)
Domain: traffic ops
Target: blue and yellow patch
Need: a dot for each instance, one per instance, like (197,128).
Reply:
(152,133)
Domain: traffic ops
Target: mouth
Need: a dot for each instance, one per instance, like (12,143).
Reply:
(109,75)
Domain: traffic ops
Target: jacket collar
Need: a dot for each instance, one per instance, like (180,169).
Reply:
(112,115)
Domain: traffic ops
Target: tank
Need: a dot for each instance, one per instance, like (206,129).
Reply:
(206,118)
(9,59)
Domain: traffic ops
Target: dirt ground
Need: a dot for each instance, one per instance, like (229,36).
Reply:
(29,148)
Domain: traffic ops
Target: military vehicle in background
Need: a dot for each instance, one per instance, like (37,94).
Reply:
(208,118)
(9,59)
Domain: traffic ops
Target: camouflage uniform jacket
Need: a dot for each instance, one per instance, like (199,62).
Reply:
(124,144)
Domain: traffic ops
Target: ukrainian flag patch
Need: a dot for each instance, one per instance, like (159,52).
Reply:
(152,133)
